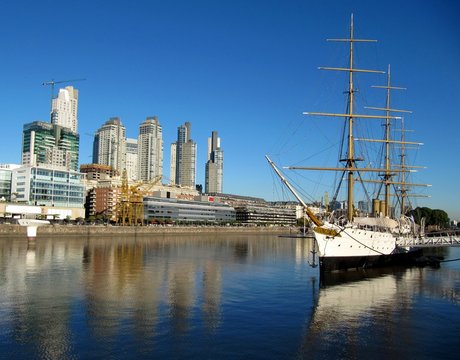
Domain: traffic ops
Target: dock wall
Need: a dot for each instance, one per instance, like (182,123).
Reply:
(10,230)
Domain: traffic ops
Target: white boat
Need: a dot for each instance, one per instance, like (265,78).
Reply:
(356,240)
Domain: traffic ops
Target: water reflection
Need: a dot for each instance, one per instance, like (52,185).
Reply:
(204,296)
(378,311)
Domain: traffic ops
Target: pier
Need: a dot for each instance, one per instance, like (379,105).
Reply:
(437,239)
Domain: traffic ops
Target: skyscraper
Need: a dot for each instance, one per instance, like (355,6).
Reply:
(109,146)
(150,149)
(132,159)
(172,172)
(185,150)
(65,109)
(214,165)
(47,144)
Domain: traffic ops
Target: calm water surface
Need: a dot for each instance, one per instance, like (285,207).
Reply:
(217,297)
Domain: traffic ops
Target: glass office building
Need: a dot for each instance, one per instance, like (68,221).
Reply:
(48,187)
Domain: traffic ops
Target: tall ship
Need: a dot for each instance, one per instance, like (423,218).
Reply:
(354,238)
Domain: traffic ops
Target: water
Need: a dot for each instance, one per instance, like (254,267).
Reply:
(217,297)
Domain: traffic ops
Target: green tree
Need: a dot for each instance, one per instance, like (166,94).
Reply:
(432,216)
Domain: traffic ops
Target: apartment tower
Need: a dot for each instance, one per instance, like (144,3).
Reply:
(132,159)
(47,144)
(185,151)
(109,146)
(150,149)
(65,108)
(214,165)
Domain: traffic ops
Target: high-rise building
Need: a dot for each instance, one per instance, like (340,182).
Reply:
(132,159)
(65,108)
(214,165)
(150,149)
(172,171)
(109,146)
(47,144)
(185,155)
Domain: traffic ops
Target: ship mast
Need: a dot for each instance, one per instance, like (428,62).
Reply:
(351,153)
(350,161)
(388,174)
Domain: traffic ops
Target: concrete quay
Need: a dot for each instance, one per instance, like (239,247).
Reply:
(13,230)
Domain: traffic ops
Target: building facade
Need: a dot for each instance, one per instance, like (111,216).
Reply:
(103,201)
(214,166)
(109,146)
(6,174)
(47,186)
(150,149)
(265,214)
(65,109)
(132,159)
(172,169)
(98,172)
(47,144)
(185,156)
(176,210)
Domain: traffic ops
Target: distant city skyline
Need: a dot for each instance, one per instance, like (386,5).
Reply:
(247,69)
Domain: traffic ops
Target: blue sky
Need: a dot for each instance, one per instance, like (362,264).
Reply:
(247,69)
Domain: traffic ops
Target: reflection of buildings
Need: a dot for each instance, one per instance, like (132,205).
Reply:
(127,282)
(34,297)
(212,288)
(181,285)
(118,286)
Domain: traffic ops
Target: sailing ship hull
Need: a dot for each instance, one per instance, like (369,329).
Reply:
(338,263)
(357,248)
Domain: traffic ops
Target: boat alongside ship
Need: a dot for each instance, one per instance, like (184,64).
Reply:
(359,240)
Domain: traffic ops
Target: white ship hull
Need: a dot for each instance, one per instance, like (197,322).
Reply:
(357,248)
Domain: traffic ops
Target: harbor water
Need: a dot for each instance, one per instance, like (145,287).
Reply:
(225,296)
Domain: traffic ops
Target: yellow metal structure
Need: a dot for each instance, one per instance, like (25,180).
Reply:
(130,209)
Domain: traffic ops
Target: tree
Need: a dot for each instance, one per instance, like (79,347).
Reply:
(432,217)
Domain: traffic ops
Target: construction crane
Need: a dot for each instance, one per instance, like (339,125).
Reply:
(52,83)
(130,208)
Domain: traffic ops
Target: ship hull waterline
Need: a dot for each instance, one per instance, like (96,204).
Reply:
(344,263)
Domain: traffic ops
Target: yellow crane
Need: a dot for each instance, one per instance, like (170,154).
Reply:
(130,209)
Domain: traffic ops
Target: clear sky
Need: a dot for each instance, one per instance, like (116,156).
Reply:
(245,68)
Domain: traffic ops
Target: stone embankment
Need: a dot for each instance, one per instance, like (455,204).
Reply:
(8,230)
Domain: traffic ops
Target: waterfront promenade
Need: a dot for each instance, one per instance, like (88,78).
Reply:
(8,230)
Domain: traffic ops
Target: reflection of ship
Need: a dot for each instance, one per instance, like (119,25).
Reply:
(375,311)
(366,239)
(350,303)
